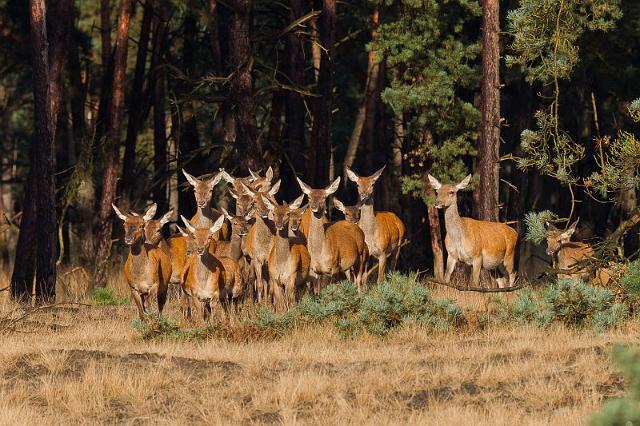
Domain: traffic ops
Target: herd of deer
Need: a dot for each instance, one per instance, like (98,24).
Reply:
(274,252)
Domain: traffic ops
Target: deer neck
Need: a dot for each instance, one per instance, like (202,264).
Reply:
(453,221)
(367,218)
(206,215)
(316,235)
(235,246)
(203,268)
(139,254)
(281,245)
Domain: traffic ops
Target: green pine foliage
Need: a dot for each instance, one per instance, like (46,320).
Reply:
(626,410)
(631,283)
(535,223)
(572,303)
(438,60)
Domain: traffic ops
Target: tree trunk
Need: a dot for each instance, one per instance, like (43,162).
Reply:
(294,118)
(104,108)
(395,169)
(76,92)
(488,165)
(112,149)
(367,110)
(248,152)
(320,154)
(158,79)
(435,233)
(135,106)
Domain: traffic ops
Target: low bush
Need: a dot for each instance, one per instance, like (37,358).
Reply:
(573,303)
(626,410)
(631,283)
(106,297)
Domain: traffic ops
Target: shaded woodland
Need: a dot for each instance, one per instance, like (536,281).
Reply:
(106,101)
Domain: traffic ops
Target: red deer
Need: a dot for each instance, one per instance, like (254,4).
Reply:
(206,215)
(383,231)
(147,268)
(478,243)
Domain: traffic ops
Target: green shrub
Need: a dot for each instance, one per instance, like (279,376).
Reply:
(573,303)
(105,297)
(631,283)
(626,410)
(159,326)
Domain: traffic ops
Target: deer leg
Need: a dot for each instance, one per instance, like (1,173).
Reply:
(257,270)
(475,273)
(162,297)
(362,272)
(509,262)
(278,298)
(395,255)
(138,299)
(206,314)
(451,266)
(382,267)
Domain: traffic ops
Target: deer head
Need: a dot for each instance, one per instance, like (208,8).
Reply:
(351,213)
(446,194)
(244,202)
(153,228)
(239,224)
(203,189)
(556,238)
(317,197)
(365,183)
(280,214)
(254,181)
(260,207)
(201,237)
(134,224)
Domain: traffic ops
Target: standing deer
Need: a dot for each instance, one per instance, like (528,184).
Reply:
(206,215)
(211,280)
(147,268)
(351,213)
(566,254)
(337,247)
(289,260)
(478,243)
(383,231)
(174,247)
(258,240)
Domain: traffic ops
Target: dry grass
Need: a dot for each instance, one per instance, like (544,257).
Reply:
(92,367)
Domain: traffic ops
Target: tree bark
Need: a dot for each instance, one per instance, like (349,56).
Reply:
(158,79)
(320,152)
(488,165)
(76,92)
(367,110)
(435,232)
(294,118)
(104,108)
(248,152)
(112,148)
(135,105)
(395,169)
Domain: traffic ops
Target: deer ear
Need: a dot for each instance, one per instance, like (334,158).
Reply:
(193,181)
(233,194)
(306,189)
(188,224)
(295,204)
(182,231)
(118,212)
(226,176)
(570,230)
(275,188)
(338,205)
(248,190)
(150,213)
(267,202)
(377,174)
(254,175)
(550,226)
(167,217)
(215,180)
(269,174)
(435,183)
(333,187)
(352,175)
(217,225)
(464,183)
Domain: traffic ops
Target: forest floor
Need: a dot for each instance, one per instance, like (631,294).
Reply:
(87,364)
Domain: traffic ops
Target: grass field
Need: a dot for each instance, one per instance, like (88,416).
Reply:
(86,364)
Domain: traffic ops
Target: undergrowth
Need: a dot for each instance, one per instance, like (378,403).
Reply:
(572,303)
(625,410)
(106,297)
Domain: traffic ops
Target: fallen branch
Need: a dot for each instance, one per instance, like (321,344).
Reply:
(478,289)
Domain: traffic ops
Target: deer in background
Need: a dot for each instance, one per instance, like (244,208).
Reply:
(147,268)
(254,181)
(351,213)
(566,254)
(206,215)
(333,248)
(258,240)
(478,243)
(383,231)
(289,259)
(211,280)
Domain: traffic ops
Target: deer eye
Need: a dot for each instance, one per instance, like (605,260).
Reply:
(451,192)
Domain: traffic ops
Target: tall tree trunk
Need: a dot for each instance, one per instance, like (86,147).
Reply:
(248,152)
(104,108)
(395,165)
(294,119)
(158,80)
(135,106)
(435,233)
(76,92)
(366,111)
(488,165)
(320,154)
(112,148)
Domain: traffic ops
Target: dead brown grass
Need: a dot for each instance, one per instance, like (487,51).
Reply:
(94,368)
